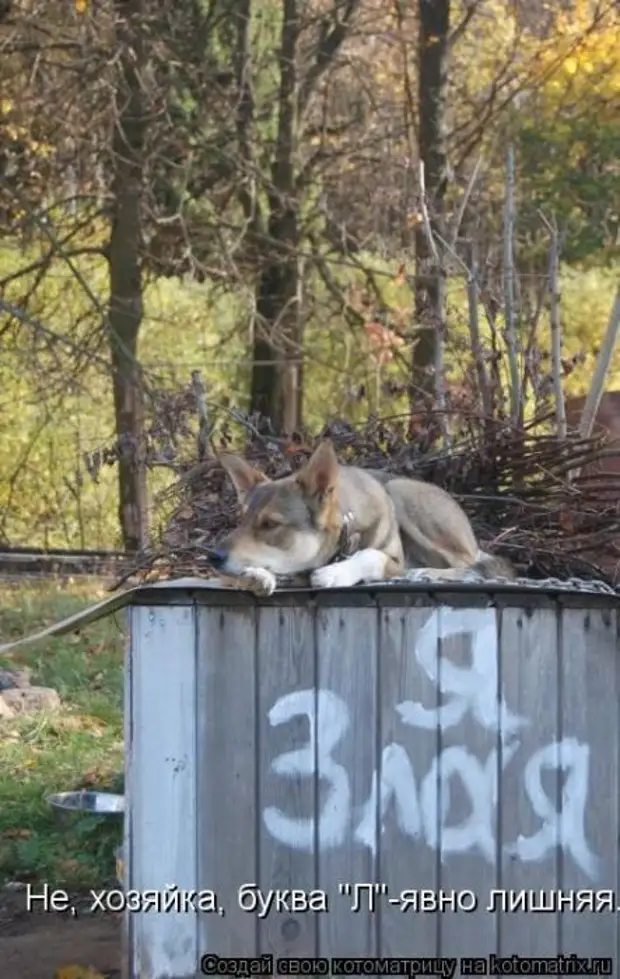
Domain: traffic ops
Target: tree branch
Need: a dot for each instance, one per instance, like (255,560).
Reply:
(330,42)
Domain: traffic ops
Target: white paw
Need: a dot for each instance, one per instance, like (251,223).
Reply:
(331,576)
(421,575)
(260,581)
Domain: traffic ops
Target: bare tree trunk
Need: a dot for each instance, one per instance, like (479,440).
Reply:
(434,25)
(275,373)
(125,314)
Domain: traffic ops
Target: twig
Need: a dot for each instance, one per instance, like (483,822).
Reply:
(508,273)
(58,249)
(426,221)
(603,362)
(463,206)
(474,332)
(556,334)
(530,344)
(24,317)
(204,428)
(439,312)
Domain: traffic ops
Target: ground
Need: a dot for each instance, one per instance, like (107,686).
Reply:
(78,746)
(34,945)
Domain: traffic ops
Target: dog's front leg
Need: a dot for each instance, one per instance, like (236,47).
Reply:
(258,580)
(368,564)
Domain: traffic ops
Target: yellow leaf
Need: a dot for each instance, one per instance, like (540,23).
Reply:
(77,972)
(571,64)
(81,6)
(6,106)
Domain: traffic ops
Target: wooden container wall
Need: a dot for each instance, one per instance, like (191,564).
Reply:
(454,742)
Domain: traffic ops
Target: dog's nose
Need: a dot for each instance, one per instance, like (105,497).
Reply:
(217,557)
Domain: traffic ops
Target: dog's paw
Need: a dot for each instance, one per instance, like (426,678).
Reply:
(331,576)
(260,581)
(419,575)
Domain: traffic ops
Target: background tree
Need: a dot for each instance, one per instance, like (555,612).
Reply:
(433,45)
(124,258)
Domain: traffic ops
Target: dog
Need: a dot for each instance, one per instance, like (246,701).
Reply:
(296,525)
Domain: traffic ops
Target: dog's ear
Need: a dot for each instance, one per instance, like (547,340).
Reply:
(319,477)
(244,477)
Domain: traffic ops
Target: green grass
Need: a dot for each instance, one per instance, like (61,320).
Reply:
(79,746)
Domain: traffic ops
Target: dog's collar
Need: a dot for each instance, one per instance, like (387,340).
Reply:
(346,541)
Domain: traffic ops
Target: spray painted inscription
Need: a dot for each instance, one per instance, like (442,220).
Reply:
(420,810)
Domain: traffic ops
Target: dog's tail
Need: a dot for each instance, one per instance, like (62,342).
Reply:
(491,566)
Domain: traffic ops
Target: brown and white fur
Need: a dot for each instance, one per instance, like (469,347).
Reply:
(293,525)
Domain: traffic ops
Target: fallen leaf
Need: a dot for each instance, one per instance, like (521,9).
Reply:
(15,833)
(78,722)
(70,867)
(78,972)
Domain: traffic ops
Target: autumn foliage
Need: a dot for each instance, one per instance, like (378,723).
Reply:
(274,223)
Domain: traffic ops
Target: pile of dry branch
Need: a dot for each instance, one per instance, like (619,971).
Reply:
(527,495)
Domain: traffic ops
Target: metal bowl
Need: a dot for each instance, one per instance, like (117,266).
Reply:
(106,803)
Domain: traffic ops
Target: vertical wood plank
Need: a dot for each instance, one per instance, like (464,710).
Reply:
(161,793)
(127,936)
(227,781)
(529,676)
(590,817)
(346,756)
(286,786)
(467,773)
(407,862)
(297,750)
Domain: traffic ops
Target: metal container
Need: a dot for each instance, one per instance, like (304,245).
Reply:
(94,803)
(103,803)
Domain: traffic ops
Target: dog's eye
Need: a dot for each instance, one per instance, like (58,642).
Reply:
(268,523)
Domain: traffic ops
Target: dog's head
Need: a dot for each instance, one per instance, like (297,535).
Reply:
(289,525)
